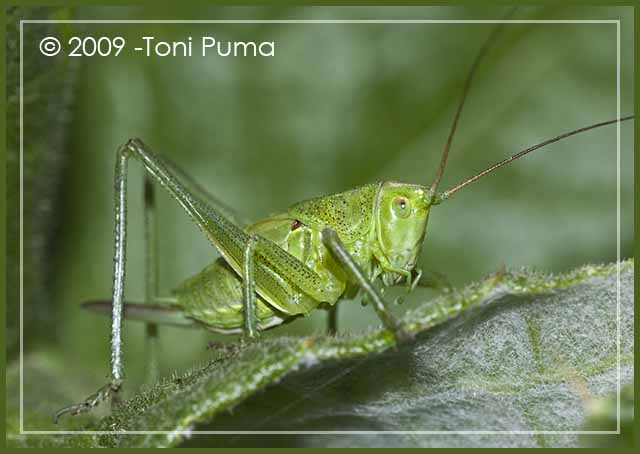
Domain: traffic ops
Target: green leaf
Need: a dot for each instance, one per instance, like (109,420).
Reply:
(519,351)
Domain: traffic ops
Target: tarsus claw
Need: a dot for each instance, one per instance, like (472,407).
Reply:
(89,403)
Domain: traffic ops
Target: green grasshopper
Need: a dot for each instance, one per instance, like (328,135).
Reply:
(285,266)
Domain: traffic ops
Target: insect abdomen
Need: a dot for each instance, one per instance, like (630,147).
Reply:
(214,298)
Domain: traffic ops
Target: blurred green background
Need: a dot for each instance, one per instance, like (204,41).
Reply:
(338,106)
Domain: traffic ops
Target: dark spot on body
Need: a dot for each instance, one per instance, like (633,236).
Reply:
(296,225)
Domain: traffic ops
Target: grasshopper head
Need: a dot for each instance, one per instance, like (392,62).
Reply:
(401,215)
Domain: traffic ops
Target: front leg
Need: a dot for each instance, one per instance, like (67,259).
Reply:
(332,242)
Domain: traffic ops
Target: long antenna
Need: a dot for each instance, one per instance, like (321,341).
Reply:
(446,194)
(465,91)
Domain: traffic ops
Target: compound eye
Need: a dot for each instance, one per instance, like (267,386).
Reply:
(401,207)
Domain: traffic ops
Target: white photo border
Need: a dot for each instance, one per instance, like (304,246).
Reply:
(323,432)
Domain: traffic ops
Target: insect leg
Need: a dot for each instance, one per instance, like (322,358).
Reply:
(332,320)
(332,242)
(89,403)
(208,219)
(115,382)
(249,291)
(195,188)
(151,275)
